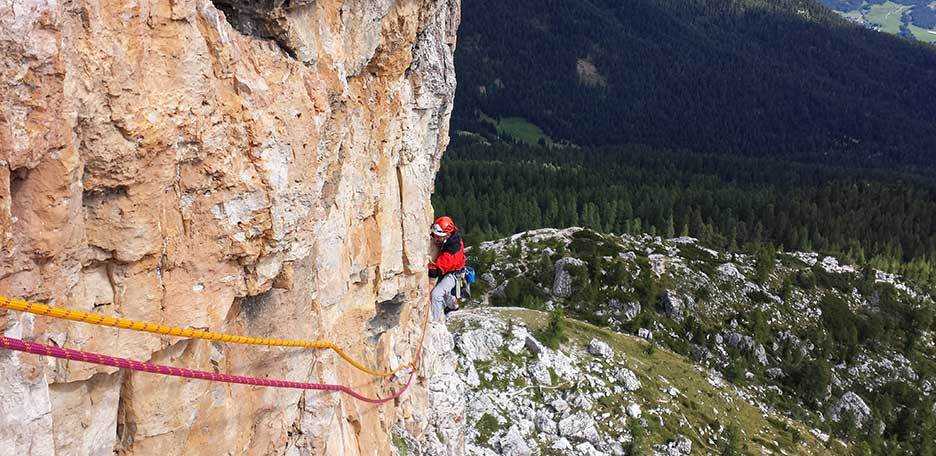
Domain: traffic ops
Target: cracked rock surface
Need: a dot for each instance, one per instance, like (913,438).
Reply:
(164,161)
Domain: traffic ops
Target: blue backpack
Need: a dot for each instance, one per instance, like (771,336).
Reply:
(470,276)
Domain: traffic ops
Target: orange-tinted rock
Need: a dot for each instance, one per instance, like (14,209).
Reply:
(160,162)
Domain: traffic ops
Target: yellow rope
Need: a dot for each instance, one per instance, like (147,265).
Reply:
(103,320)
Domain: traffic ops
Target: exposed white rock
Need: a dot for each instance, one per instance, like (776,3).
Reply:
(676,305)
(479,344)
(518,338)
(600,348)
(513,443)
(627,379)
(560,405)
(562,282)
(850,404)
(544,422)
(729,272)
(679,447)
(562,445)
(633,410)
(578,426)
(587,449)
(539,373)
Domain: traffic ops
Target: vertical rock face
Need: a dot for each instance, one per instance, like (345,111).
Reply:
(258,168)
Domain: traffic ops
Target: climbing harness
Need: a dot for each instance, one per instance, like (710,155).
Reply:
(103,320)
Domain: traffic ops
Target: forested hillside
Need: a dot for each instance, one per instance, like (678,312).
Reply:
(786,79)
(731,203)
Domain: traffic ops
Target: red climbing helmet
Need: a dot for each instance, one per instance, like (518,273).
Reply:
(443,226)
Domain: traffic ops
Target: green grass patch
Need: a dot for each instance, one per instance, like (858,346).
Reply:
(400,444)
(518,128)
(922,34)
(887,15)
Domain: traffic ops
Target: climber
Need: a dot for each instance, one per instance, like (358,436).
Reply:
(448,264)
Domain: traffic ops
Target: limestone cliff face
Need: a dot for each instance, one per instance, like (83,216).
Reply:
(253,167)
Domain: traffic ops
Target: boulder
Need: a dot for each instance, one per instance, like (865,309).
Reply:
(539,373)
(479,344)
(729,272)
(625,311)
(645,333)
(747,344)
(675,305)
(562,282)
(513,443)
(600,349)
(488,278)
(579,427)
(533,345)
(775,373)
(587,449)
(627,379)
(633,410)
(850,404)
(518,336)
(562,445)
(544,423)
(559,405)
(679,447)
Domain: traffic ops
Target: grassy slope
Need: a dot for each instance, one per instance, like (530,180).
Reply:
(703,405)
(887,15)
(519,129)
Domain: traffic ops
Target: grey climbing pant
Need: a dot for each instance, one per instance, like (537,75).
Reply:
(441,296)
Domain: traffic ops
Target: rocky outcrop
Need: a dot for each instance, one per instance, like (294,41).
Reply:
(257,168)
(852,406)
(562,282)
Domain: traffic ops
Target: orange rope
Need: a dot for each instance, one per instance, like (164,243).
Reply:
(104,320)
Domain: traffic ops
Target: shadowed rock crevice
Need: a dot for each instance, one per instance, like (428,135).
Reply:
(252,307)
(264,19)
(387,317)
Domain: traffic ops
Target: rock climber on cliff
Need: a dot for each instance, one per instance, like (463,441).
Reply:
(447,265)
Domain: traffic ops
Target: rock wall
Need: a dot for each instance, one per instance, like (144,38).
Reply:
(252,167)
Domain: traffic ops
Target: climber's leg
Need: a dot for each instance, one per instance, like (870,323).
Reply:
(442,288)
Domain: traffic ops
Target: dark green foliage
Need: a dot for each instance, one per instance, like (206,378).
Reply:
(841,324)
(646,287)
(737,369)
(483,259)
(744,77)
(765,260)
(730,444)
(759,328)
(728,203)
(588,243)
(805,280)
(810,380)
(520,291)
(638,445)
(843,282)
(487,426)
(554,332)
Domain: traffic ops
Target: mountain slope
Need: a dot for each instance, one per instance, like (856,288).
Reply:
(915,19)
(785,79)
(603,393)
(848,351)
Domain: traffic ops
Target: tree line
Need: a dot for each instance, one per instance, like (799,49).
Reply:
(880,218)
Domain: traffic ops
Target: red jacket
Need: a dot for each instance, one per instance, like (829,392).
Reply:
(451,257)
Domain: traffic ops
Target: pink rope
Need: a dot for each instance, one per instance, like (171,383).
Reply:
(123,363)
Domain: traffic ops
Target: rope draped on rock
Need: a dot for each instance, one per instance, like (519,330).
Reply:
(21,305)
(9,343)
